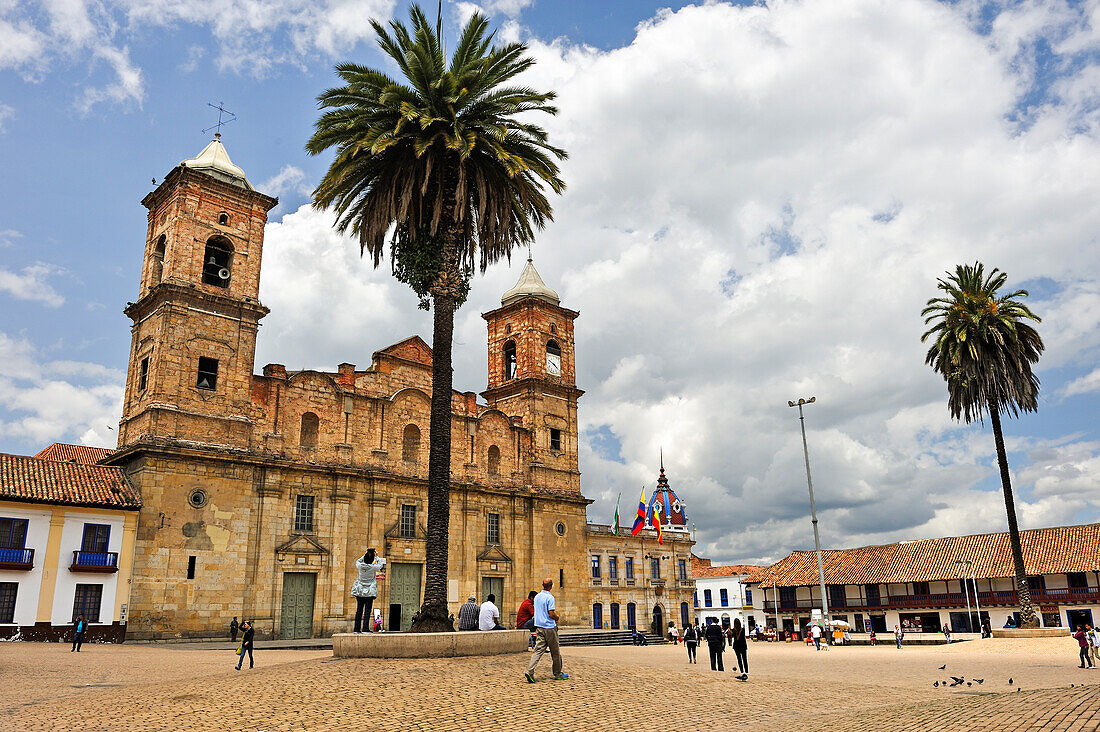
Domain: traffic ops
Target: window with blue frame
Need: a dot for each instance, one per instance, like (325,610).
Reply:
(723,594)
(613,568)
(683,569)
(748,597)
(695,597)
(595,567)
(706,599)
(655,568)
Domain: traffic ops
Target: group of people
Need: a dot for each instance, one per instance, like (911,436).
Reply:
(716,639)
(1088,640)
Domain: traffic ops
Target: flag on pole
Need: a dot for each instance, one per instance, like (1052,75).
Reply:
(639,520)
(617,513)
(657,522)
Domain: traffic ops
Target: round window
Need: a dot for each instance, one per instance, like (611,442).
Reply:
(197,499)
(560,528)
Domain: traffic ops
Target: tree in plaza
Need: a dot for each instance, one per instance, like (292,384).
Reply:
(984,350)
(445,167)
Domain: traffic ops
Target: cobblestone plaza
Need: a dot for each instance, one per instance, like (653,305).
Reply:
(136,687)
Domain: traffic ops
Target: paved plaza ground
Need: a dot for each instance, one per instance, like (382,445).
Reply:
(130,687)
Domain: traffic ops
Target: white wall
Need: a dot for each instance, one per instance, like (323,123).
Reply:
(30,583)
(735,592)
(65,593)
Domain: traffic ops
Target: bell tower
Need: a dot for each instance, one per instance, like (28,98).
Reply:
(193,338)
(532,375)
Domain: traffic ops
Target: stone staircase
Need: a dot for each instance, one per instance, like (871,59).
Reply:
(603,638)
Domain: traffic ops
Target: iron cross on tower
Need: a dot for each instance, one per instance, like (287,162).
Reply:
(221,111)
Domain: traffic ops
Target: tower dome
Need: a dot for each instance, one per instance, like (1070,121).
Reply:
(214,161)
(667,506)
(530,285)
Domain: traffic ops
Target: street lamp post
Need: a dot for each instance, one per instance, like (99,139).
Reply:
(813,509)
(966,592)
(775,599)
(977,604)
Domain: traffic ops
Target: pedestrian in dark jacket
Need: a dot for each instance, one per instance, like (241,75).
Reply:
(741,648)
(691,640)
(233,627)
(716,643)
(246,644)
(1083,642)
(79,627)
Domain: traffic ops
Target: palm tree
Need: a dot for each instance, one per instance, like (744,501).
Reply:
(446,168)
(984,350)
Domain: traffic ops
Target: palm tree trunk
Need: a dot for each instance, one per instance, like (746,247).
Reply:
(433,613)
(1028,618)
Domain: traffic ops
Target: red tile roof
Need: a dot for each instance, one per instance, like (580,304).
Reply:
(65,453)
(702,568)
(1046,551)
(25,478)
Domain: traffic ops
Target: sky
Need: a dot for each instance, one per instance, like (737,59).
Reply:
(760,200)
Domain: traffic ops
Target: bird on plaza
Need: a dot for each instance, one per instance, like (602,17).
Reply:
(979,681)
(943,667)
(958,680)
(1017,688)
(936,684)
(969,684)
(1010,681)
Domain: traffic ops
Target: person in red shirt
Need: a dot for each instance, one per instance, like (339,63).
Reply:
(1083,642)
(525,616)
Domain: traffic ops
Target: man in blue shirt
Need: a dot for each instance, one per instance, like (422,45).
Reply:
(546,633)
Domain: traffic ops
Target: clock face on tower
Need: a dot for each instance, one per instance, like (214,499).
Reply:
(553,364)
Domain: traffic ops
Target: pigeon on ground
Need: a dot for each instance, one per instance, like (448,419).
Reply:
(957,679)
(936,684)
(979,681)
(969,684)
(943,667)
(1010,681)
(1017,688)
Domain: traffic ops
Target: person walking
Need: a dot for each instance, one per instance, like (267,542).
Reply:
(947,632)
(469,614)
(815,631)
(899,634)
(246,644)
(1083,641)
(80,625)
(741,649)
(1095,645)
(233,627)
(716,643)
(691,640)
(365,589)
(546,631)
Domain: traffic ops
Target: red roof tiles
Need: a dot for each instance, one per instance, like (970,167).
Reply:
(702,568)
(25,478)
(65,453)
(1046,551)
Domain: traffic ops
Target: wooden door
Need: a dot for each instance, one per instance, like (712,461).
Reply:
(404,581)
(297,615)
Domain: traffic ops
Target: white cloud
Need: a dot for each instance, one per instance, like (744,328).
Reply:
(46,401)
(30,283)
(128,87)
(492,9)
(8,236)
(289,180)
(6,113)
(760,201)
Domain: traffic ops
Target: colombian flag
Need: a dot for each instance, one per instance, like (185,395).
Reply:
(639,520)
(657,522)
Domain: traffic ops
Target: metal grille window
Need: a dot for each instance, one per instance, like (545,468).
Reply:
(7,601)
(13,533)
(595,567)
(303,513)
(208,373)
(613,568)
(630,568)
(87,602)
(408,522)
(493,533)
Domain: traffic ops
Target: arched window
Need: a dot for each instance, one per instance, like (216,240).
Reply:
(597,616)
(494,460)
(683,613)
(308,436)
(509,360)
(223,218)
(553,358)
(410,444)
(158,259)
(614,616)
(217,262)
(631,615)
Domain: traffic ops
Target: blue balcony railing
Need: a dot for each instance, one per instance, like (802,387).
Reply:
(16,558)
(94,562)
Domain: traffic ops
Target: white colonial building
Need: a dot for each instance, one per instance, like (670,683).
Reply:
(720,593)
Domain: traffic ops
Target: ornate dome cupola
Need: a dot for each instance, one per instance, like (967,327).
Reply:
(667,505)
(214,161)
(530,285)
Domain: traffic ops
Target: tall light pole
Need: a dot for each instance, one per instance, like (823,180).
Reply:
(966,591)
(813,509)
(775,599)
(977,604)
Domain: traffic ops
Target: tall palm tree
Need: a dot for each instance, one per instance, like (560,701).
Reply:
(984,350)
(446,168)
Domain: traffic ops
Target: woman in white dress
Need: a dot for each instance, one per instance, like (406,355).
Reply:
(365,589)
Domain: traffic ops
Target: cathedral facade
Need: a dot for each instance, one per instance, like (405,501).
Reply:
(259,490)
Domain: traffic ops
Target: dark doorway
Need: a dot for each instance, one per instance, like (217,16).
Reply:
(1077,617)
(878,623)
(658,620)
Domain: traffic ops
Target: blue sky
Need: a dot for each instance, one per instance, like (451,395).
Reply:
(760,199)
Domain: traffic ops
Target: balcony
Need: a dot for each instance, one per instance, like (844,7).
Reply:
(17,559)
(613,581)
(629,582)
(94,562)
(944,600)
(656,583)
(595,582)
(1068,595)
(685,584)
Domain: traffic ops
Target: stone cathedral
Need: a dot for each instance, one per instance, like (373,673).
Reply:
(261,489)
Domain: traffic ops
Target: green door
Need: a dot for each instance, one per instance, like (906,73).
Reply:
(493,586)
(297,619)
(404,581)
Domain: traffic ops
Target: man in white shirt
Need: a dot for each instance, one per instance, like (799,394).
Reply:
(490,616)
